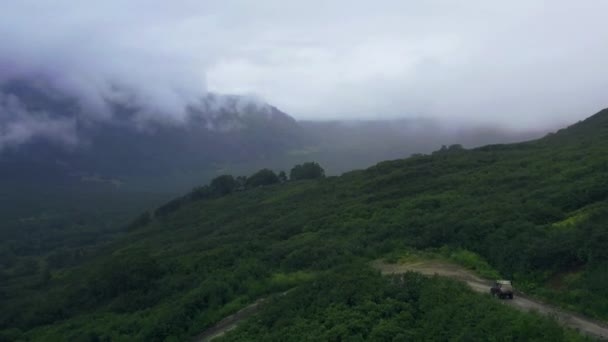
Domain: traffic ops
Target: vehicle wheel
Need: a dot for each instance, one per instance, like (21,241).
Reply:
(511,296)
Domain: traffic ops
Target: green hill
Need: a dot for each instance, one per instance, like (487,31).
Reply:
(535,211)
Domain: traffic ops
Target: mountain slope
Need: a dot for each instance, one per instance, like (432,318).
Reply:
(536,211)
(72,174)
(72,170)
(132,147)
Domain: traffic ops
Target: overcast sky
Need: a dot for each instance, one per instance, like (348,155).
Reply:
(516,63)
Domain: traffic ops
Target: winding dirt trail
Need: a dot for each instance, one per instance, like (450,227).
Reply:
(520,301)
(229,322)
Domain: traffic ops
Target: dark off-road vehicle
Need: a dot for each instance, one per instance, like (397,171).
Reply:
(502,289)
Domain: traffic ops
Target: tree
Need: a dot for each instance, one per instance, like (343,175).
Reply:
(242,181)
(223,185)
(282,177)
(310,170)
(262,177)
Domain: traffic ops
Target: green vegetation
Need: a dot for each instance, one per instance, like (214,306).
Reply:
(223,185)
(50,231)
(310,170)
(463,257)
(355,304)
(261,178)
(207,254)
(474,262)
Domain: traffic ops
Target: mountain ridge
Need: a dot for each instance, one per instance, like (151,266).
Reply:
(147,151)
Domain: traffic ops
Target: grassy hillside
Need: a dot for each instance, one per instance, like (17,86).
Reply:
(535,211)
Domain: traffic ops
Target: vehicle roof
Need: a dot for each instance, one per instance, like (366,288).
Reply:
(504,282)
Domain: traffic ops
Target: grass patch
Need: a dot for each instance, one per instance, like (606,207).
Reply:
(465,258)
(286,280)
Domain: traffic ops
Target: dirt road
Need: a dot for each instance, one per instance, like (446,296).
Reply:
(230,322)
(520,301)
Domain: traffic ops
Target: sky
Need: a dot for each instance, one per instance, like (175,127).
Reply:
(517,64)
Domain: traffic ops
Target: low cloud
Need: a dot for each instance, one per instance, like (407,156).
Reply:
(19,125)
(522,64)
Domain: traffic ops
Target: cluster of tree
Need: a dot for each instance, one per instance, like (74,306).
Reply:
(451,148)
(310,170)
(227,184)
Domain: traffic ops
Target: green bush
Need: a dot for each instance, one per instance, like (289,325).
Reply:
(262,177)
(310,170)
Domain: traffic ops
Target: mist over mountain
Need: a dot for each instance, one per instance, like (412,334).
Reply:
(49,135)
(346,145)
(28,101)
(45,132)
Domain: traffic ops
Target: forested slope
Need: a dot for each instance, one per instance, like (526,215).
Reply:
(536,211)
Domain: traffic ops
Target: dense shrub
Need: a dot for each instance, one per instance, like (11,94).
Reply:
(223,185)
(262,177)
(310,170)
